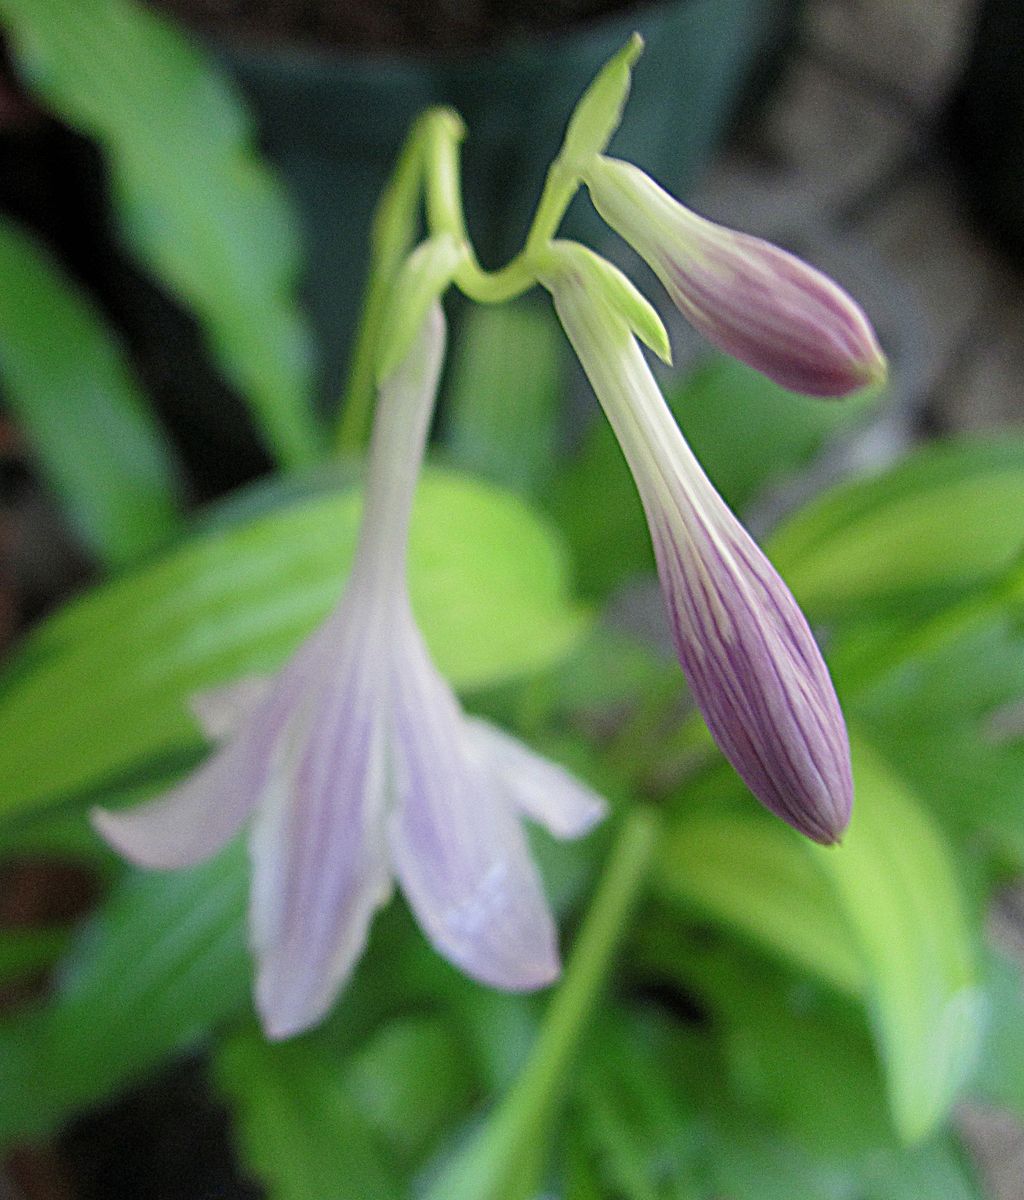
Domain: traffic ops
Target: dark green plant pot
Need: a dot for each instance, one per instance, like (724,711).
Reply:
(986,124)
(332,123)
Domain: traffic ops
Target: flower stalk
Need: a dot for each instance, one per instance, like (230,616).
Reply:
(507,1159)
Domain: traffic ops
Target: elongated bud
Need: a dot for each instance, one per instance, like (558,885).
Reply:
(751,299)
(748,654)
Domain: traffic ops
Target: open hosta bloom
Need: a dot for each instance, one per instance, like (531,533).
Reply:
(748,654)
(756,302)
(357,766)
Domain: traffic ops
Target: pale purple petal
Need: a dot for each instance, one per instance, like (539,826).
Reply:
(458,847)
(753,300)
(222,711)
(537,787)
(194,820)
(317,845)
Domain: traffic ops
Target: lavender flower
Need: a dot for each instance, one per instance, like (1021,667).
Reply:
(357,766)
(748,297)
(748,654)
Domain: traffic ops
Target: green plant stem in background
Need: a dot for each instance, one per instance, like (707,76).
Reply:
(508,1157)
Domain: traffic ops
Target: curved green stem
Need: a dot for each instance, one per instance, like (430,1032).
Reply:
(429,168)
(443,141)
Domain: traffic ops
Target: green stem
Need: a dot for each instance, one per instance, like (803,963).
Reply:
(507,1159)
(445,213)
(539,1088)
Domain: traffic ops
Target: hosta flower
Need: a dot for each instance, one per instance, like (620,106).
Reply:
(748,654)
(356,767)
(754,301)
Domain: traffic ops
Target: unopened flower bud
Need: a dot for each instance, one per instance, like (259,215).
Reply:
(751,299)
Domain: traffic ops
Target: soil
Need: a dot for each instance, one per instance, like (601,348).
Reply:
(422,26)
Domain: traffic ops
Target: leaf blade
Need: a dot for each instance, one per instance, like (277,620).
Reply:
(76,399)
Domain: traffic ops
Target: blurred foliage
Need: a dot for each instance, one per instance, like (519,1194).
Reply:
(75,398)
(196,205)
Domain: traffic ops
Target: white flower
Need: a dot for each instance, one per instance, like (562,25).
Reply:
(357,767)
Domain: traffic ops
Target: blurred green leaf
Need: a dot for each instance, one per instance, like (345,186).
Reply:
(747,432)
(596,504)
(751,1162)
(162,963)
(891,904)
(756,877)
(950,717)
(640,1129)
(489,586)
(799,1054)
(1000,1077)
(743,1151)
(410,1081)
(298,1129)
(504,394)
(949,516)
(898,891)
(197,206)
(74,396)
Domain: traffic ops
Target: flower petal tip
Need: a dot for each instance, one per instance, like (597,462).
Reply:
(137,841)
(281,1021)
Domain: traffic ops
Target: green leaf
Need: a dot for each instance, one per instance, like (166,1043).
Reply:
(949,516)
(298,1129)
(1000,1078)
(802,1056)
(748,432)
(102,690)
(898,891)
(410,1081)
(504,395)
(163,962)
(885,920)
(755,877)
(196,205)
(640,1127)
(949,719)
(74,396)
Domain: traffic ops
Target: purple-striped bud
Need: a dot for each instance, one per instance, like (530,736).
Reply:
(748,654)
(749,298)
